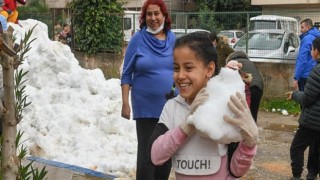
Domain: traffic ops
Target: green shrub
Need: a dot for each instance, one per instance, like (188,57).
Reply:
(97,25)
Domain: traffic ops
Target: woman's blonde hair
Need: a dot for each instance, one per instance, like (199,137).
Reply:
(223,38)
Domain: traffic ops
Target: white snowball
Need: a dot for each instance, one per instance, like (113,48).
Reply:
(284,112)
(208,118)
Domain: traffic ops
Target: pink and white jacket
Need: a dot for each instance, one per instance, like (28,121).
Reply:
(194,157)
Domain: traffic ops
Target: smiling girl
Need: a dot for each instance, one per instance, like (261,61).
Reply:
(193,155)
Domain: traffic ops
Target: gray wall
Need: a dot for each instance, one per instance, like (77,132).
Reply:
(278,77)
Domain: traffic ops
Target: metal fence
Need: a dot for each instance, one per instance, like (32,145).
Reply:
(211,21)
(217,21)
(264,45)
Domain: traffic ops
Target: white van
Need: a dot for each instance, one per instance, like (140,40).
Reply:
(274,22)
(130,24)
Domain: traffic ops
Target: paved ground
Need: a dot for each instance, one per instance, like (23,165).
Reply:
(273,158)
(272,161)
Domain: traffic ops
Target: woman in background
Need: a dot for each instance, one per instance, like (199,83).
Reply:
(148,72)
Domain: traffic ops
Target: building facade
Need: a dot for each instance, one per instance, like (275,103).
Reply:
(172,5)
(57,3)
(299,9)
(135,5)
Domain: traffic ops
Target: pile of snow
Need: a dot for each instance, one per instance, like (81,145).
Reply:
(74,115)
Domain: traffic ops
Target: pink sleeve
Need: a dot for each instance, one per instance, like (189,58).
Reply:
(166,145)
(242,159)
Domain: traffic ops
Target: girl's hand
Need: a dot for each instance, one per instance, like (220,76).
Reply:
(233,64)
(243,119)
(201,97)
(188,129)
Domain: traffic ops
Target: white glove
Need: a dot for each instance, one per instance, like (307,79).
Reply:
(188,129)
(200,98)
(243,119)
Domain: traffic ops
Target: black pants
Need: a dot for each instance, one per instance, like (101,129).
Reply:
(145,169)
(313,156)
(303,138)
(256,95)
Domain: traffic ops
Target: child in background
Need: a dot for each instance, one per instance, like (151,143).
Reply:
(309,123)
(56,31)
(246,77)
(65,35)
(256,84)
(193,155)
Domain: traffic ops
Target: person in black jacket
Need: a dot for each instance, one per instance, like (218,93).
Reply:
(309,123)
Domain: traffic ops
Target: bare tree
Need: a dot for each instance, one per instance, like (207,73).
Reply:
(13,104)
(8,60)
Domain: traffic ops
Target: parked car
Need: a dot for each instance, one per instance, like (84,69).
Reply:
(270,45)
(180,32)
(233,35)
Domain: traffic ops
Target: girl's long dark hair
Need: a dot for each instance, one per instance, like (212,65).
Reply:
(172,92)
(200,44)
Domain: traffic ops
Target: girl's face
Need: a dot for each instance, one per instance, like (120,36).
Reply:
(190,73)
(154,17)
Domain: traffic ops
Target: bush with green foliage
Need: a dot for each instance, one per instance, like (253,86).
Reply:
(33,7)
(97,25)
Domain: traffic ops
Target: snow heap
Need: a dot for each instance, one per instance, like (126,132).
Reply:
(208,118)
(74,116)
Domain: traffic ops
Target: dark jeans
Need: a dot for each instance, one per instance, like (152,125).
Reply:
(256,94)
(313,158)
(145,169)
(303,138)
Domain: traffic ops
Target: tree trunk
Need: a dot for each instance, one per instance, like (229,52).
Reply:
(9,159)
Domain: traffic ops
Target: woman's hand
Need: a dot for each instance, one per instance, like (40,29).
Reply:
(126,111)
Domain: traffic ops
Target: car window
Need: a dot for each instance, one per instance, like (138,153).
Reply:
(239,34)
(179,34)
(126,23)
(261,41)
(229,34)
(293,26)
(293,40)
(262,24)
